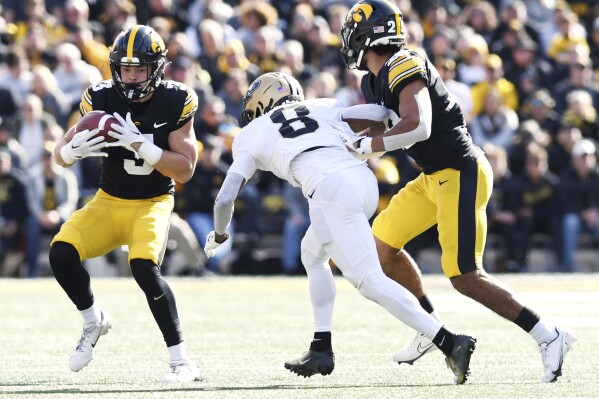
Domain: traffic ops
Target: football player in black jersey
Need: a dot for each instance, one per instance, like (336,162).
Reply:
(155,145)
(455,184)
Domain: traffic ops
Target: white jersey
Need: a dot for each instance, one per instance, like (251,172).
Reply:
(274,142)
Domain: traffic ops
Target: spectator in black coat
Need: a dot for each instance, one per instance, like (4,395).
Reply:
(534,202)
(579,200)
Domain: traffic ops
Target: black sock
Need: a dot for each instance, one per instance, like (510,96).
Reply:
(444,341)
(321,342)
(527,319)
(426,304)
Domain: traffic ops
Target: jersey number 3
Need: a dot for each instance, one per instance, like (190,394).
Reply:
(294,125)
(139,166)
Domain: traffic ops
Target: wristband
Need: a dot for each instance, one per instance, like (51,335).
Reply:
(66,153)
(150,152)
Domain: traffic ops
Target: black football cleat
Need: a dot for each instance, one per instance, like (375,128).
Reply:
(312,362)
(459,359)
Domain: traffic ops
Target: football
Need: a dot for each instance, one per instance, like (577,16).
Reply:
(97,119)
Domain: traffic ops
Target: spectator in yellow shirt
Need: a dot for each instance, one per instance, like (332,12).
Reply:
(495,81)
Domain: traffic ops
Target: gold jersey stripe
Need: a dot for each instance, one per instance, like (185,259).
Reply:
(86,103)
(403,69)
(131,42)
(190,106)
(399,60)
(407,74)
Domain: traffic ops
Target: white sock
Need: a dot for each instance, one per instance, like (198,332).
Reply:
(322,289)
(543,332)
(177,352)
(91,315)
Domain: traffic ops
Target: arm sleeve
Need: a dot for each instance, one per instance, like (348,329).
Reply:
(373,112)
(241,170)
(224,204)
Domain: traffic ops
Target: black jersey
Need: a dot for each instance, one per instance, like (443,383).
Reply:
(450,144)
(123,175)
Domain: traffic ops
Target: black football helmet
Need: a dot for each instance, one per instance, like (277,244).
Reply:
(267,92)
(137,46)
(370,23)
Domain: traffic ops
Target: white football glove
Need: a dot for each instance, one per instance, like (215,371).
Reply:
(82,146)
(126,133)
(211,244)
(358,144)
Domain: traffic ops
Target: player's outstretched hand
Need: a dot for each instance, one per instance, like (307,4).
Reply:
(84,144)
(126,133)
(212,244)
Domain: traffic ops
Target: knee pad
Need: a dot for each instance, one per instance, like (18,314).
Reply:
(147,275)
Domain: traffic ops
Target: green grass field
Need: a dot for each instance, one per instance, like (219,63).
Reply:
(240,330)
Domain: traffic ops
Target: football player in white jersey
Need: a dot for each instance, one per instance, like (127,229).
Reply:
(299,140)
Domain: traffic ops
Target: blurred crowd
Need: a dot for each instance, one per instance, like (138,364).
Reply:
(524,71)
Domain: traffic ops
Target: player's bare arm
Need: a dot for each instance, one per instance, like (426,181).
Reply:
(415,123)
(179,162)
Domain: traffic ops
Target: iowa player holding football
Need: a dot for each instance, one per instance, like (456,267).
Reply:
(155,145)
(453,189)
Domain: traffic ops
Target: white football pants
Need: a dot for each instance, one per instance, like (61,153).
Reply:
(339,211)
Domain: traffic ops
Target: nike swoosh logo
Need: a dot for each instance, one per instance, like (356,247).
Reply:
(157,125)
(304,361)
(73,147)
(158,297)
(422,349)
(440,343)
(443,182)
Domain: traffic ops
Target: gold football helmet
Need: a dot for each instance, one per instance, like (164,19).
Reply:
(267,92)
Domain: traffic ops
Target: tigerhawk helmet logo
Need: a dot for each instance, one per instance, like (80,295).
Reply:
(365,9)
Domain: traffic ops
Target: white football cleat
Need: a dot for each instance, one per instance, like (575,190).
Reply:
(181,371)
(83,352)
(554,353)
(414,350)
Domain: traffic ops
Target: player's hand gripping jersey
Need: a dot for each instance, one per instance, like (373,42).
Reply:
(123,174)
(450,144)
